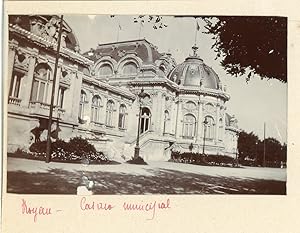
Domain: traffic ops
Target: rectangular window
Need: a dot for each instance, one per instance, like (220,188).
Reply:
(121,121)
(61,95)
(81,110)
(34,93)
(15,85)
(41,92)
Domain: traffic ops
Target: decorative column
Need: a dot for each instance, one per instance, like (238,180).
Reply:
(154,103)
(13,45)
(103,110)
(162,112)
(116,114)
(200,121)
(58,77)
(178,132)
(172,122)
(75,89)
(26,85)
(217,124)
(88,105)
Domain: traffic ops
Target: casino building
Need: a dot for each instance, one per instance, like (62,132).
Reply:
(183,107)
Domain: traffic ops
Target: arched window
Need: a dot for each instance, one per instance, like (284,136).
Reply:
(83,100)
(130,69)
(145,120)
(210,128)
(96,101)
(105,70)
(109,113)
(189,123)
(209,107)
(41,81)
(122,116)
(190,106)
(221,132)
(166,119)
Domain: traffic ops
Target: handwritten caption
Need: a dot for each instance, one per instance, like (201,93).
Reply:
(87,204)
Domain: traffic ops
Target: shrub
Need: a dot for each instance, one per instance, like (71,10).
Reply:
(60,145)
(80,145)
(197,158)
(38,147)
(77,149)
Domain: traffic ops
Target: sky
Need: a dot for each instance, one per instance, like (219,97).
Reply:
(252,103)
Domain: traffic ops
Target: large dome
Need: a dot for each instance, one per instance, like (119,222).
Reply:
(193,71)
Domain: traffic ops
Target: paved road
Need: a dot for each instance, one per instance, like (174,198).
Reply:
(37,177)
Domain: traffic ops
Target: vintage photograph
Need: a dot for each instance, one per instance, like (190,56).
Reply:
(146,104)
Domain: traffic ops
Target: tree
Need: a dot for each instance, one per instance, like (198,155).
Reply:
(257,45)
(247,145)
(275,152)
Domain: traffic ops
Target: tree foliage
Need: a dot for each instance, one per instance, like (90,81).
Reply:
(254,44)
(245,44)
(250,147)
(156,20)
(247,145)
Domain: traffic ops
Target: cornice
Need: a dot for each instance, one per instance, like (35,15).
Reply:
(110,88)
(42,42)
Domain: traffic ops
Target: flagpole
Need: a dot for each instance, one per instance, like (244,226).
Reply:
(48,150)
(264,162)
(196,32)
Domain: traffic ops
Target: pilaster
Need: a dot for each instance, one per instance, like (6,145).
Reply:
(13,45)
(162,112)
(179,119)
(26,84)
(103,110)
(217,124)
(116,114)
(58,75)
(76,85)
(199,121)
(88,105)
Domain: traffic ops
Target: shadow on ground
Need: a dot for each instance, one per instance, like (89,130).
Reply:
(164,181)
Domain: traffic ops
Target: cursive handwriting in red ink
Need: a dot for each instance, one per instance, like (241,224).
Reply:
(85,205)
(147,207)
(34,210)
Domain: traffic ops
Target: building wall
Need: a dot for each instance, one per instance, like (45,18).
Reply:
(168,104)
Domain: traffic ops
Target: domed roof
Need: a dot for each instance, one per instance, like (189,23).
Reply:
(193,71)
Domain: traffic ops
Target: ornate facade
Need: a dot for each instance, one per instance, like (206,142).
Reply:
(96,96)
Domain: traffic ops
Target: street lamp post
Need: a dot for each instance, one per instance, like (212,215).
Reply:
(205,122)
(236,157)
(137,146)
(256,153)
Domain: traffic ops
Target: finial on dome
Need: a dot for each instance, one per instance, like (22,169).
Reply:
(195,48)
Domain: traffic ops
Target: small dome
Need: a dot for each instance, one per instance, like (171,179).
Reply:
(193,71)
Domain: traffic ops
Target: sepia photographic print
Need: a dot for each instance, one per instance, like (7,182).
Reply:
(146,104)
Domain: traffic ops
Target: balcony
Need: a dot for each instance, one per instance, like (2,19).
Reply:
(14,101)
(38,108)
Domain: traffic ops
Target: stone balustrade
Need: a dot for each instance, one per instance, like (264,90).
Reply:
(14,101)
